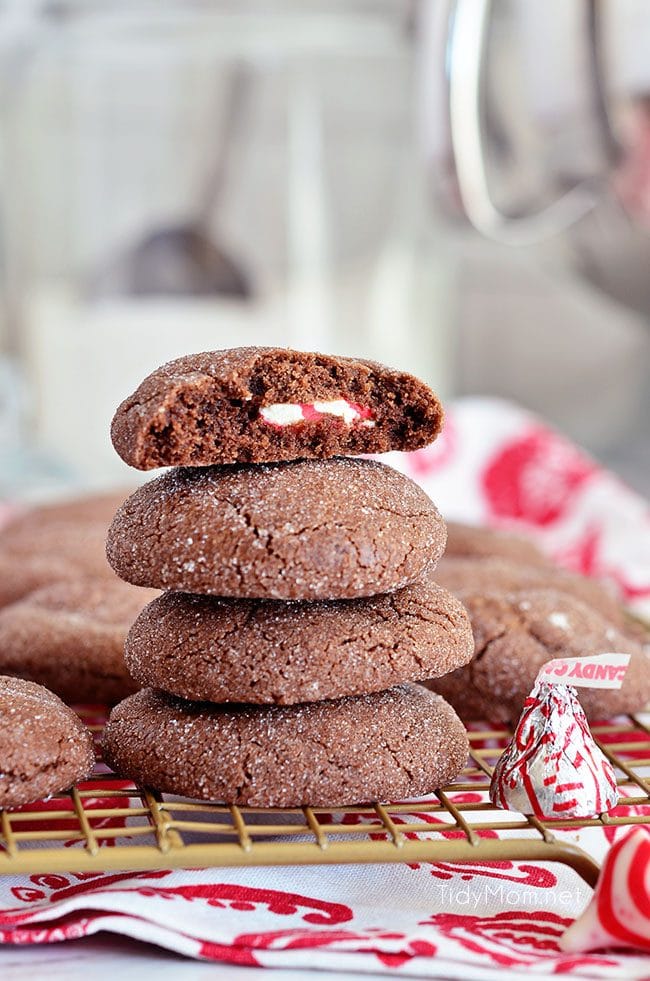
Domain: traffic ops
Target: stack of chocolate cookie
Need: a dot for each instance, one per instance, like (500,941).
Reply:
(299,606)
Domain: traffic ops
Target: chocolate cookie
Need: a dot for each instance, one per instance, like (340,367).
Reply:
(22,575)
(334,529)
(473,541)
(79,544)
(54,543)
(70,637)
(403,742)
(259,405)
(516,633)
(489,575)
(88,508)
(44,747)
(266,651)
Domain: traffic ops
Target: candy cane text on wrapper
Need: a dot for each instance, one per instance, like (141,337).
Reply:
(552,767)
(598,671)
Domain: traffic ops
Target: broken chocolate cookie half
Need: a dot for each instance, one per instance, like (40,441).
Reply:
(260,405)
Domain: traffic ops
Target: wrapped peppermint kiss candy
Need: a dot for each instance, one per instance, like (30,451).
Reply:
(552,767)
(619,912)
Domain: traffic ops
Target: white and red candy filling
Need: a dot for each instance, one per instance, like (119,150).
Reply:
(282,414)
(552,767)
(619,912)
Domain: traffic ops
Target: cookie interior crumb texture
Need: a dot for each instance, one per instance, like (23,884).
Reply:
(308,530)
(44,747)
(255,405)
(404,742)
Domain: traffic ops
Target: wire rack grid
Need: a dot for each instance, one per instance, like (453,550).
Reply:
(109,823)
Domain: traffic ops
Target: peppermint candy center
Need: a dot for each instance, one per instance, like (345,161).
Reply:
(282,414)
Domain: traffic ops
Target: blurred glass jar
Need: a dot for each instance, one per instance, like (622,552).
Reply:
(540,153)
(181,176)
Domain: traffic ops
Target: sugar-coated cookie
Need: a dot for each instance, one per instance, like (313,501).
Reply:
(267,651)
(83,508)
(403,742)
(488,575)
(44,746)
(70,638)
(20,575)
(474,541)
(78,544)
(310,529)
(516,633)
(56,542)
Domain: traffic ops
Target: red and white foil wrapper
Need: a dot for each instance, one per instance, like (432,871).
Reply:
(619,912)
(552,767)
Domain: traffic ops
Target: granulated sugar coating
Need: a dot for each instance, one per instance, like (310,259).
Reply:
(267,651)
(44,747)
(515,633)
(205,409)
(472,575)
(335,529)
(70,637)
(403,742)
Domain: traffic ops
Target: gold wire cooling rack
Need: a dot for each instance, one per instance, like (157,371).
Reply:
(109,823)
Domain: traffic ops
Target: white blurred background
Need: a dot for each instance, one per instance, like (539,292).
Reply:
(461,189)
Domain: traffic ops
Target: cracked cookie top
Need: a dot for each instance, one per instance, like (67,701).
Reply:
(306,530)
(259,405)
